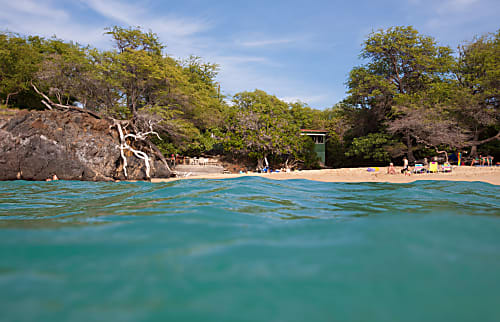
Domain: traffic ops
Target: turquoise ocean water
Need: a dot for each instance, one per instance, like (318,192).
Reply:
(249,249)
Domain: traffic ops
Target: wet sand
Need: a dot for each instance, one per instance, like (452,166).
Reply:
(464,173)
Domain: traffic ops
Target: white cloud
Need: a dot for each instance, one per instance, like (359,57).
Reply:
(446,8)
(181,34)
(240,73)
(138,15)
(29,8)
(232,60)
(115,10)
(450,6)
(244,68)
(265,42)
(46,19)
(444,4)
(309,99)
(460,3)
(455,20)
(246,73)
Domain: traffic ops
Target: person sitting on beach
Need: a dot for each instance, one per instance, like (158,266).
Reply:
(487,160)
(476,160)
(391,169)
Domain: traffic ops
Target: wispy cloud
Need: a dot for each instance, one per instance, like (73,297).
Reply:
(45,18)
(246,73)
(310,99)
(242,59)
(248,60)
(265,42)
(450,6)
(30,8)
(138,15)
(240,73)
(462,4)
(48,18)
(455,20)
(445,4)
(116,10)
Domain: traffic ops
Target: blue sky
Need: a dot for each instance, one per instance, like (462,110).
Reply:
(296,50)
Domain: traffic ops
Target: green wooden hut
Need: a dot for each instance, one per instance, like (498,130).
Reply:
(319,139)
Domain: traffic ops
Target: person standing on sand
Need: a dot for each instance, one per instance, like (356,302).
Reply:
(483,160)
(489,160)
(426,165)
(405,169)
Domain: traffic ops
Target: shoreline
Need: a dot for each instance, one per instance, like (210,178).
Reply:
(463,173)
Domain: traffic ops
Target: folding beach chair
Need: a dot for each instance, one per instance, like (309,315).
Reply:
(433,167)
(419,168)
(446,167)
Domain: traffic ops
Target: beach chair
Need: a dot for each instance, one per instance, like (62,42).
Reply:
(433,167)
(419,168)
(446,167)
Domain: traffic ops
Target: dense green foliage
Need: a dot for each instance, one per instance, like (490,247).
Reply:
(417,96)
(410,97)
(260,126)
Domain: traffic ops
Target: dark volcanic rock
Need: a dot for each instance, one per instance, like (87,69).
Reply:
(34,145)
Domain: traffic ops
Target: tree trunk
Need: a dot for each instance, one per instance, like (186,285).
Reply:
(445,153)
(8,97)
(478,143)
(411,157)
(134,115)
(473,151)
(396,72)
(260,163)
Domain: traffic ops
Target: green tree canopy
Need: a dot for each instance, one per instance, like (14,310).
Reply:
(19,59)
(402,65)
(261,126)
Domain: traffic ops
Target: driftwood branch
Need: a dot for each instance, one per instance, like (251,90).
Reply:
(445,153)
(293,163)
(49,104)
(9,96)
(139,136)
(158,153)
(124,137)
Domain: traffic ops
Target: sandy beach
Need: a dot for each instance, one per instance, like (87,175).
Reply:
(464,173)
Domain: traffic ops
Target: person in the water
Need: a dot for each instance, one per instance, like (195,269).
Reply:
(54,178)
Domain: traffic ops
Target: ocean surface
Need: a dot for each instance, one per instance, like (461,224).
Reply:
(249,249)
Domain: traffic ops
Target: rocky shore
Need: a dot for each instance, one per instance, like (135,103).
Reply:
(35,145)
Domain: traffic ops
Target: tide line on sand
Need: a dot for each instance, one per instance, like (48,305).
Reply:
(464,173)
